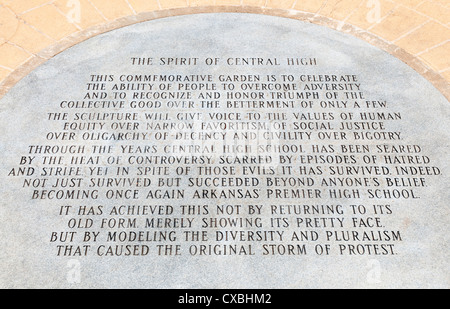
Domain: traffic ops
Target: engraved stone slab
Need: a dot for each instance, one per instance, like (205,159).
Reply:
(224,151)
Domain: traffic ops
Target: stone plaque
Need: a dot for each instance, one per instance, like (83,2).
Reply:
(224,151)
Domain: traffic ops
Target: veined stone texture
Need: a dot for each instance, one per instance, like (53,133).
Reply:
(343,108)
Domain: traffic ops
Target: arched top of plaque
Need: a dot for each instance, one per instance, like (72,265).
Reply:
(437,80)
(268,33)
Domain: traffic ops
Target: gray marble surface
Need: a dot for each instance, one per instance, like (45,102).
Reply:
(28,257)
